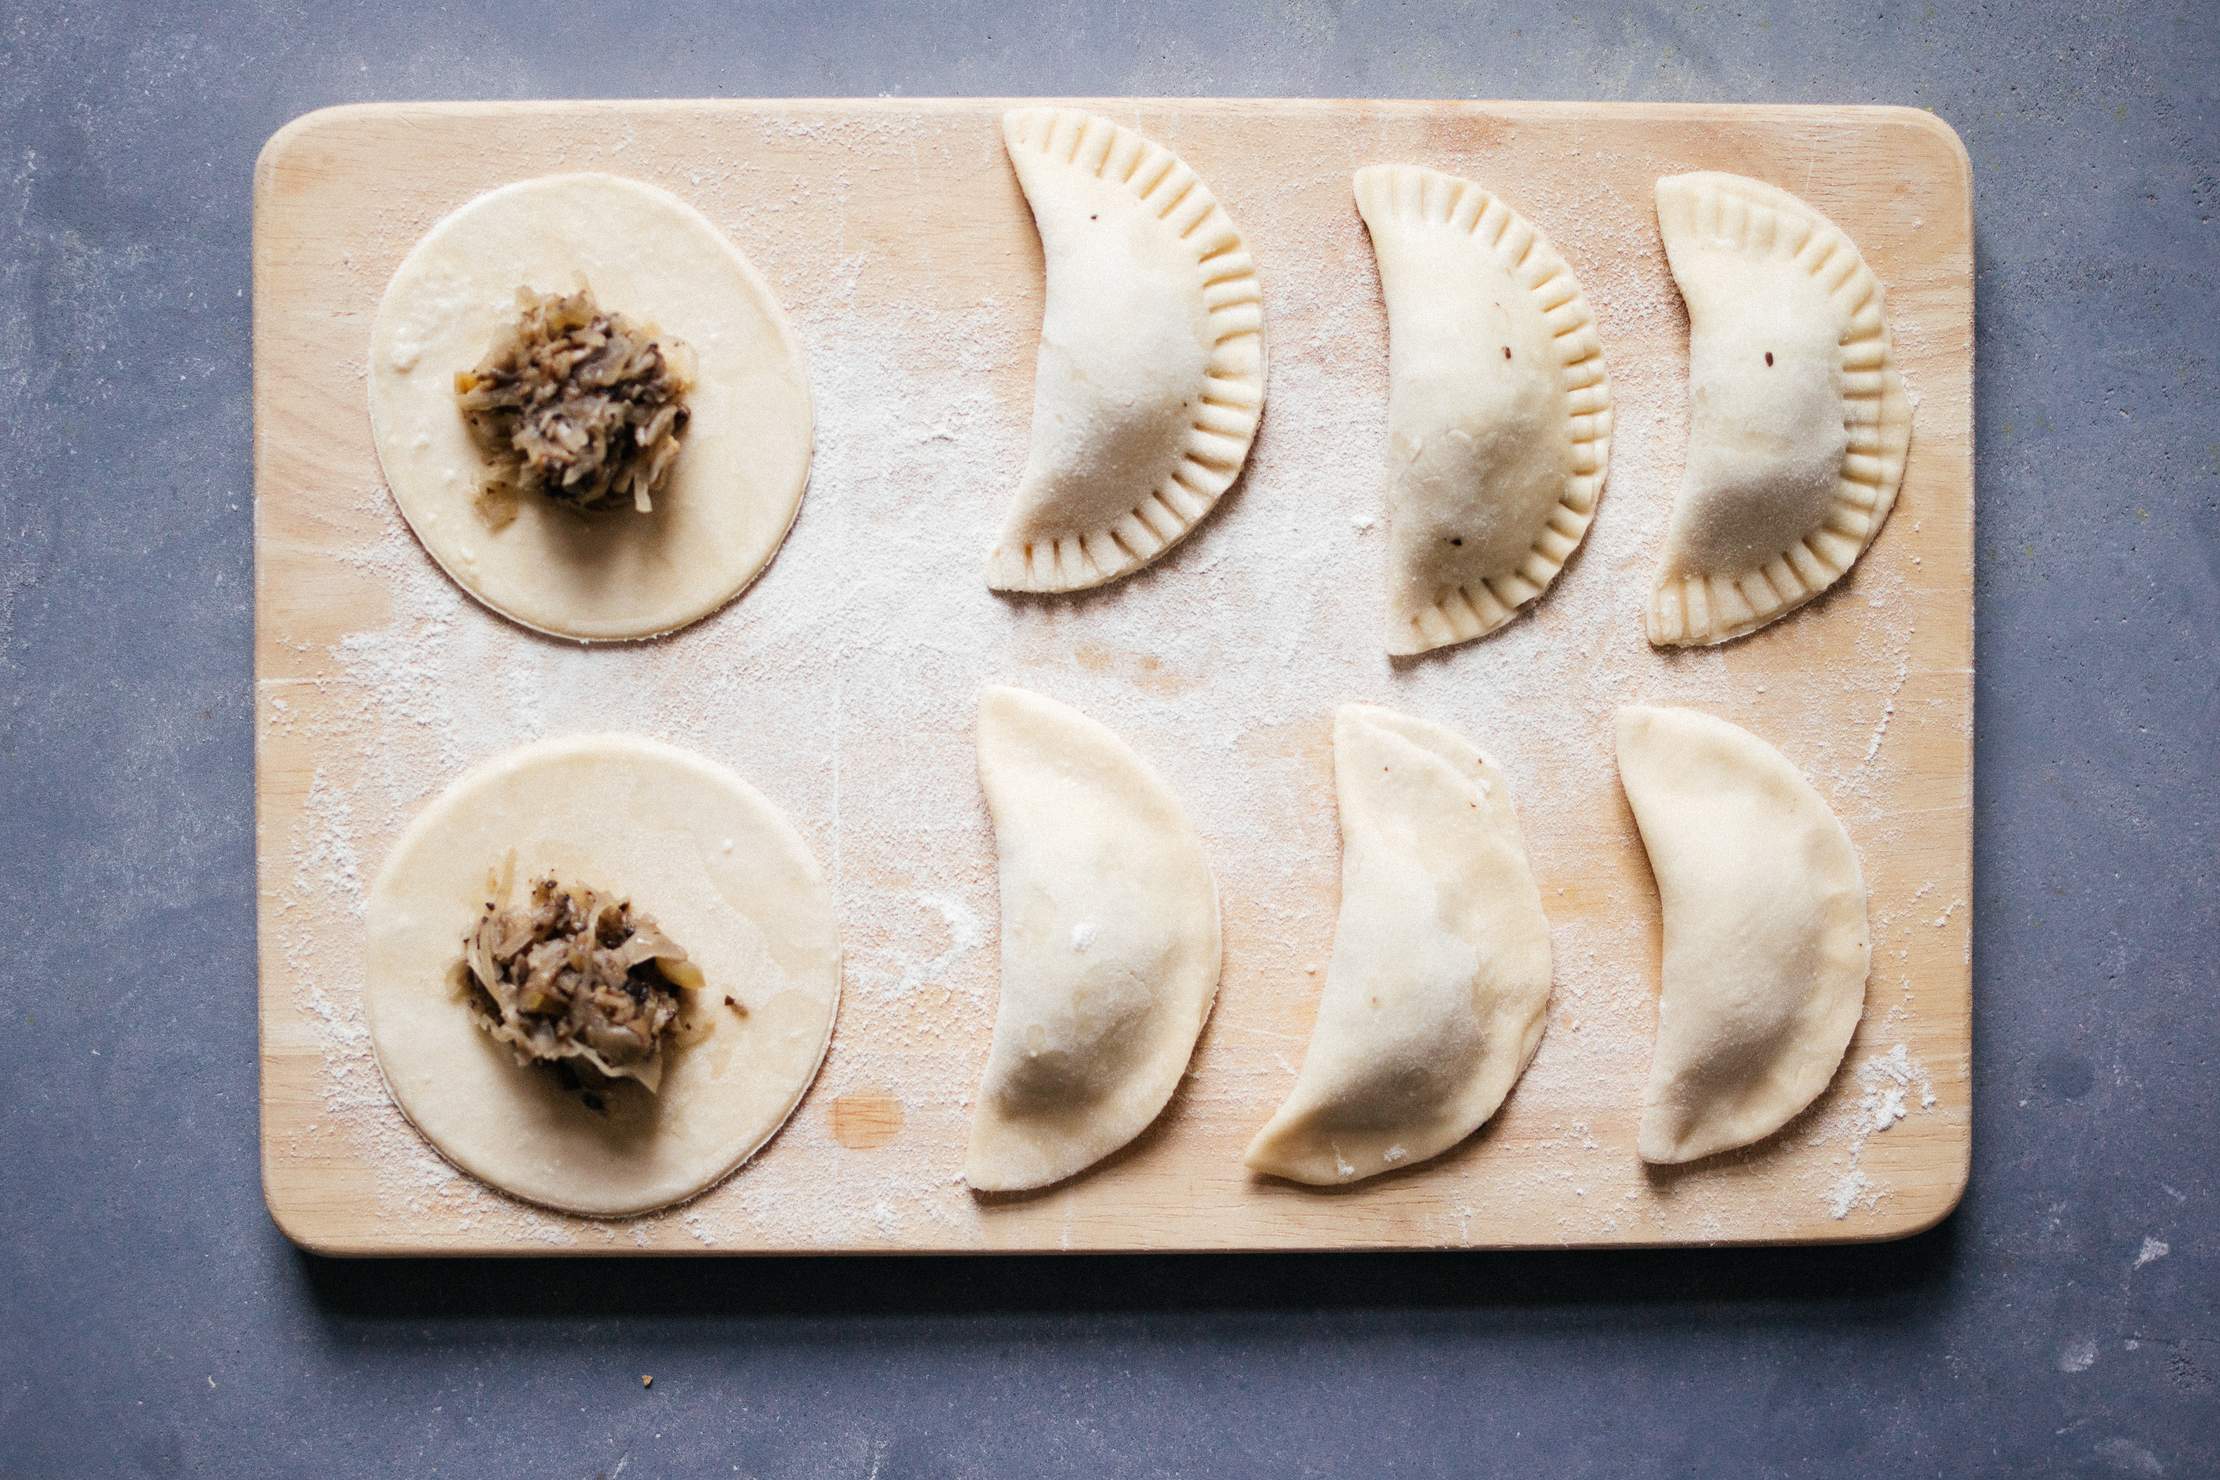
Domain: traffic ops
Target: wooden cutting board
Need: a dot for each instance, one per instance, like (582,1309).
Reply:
(843,683)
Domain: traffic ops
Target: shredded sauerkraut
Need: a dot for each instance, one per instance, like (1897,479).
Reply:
(577,975)
(575,403)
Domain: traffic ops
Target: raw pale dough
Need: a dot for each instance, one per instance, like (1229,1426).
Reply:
(1150,377)
(1499,414)
(1440,974)
(646,254)
(1110,948)
(1798,419)
(1766,946)
(718,870)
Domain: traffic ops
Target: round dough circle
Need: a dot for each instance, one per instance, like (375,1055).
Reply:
(703,855)
(738,481)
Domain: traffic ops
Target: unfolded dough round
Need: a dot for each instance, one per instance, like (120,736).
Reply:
(646,254)
(697,850)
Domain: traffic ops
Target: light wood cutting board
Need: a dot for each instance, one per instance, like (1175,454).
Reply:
(842,684)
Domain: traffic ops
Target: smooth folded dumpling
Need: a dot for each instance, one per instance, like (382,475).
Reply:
(1110,944)
(1499,412)
(1150,376)
(1436,992)
(1798,418)
(1766,946)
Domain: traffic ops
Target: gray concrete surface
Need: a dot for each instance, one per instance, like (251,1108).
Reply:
(152,1322)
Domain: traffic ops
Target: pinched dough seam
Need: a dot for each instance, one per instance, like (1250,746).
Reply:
(1426,197)
(1876,415)
(1232,399)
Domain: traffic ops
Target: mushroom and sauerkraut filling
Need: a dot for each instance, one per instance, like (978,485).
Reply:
(577,404)
(574,976)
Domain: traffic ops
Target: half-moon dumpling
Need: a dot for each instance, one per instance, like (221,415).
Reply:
(1440,973)
(1109,944)
(1150,377)
(1766,945)
(1499,415)
(1798,421)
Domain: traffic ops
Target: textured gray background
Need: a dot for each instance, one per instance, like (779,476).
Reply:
(153,1322)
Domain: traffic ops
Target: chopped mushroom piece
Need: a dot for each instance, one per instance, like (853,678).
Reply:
(576,976)
(577,404)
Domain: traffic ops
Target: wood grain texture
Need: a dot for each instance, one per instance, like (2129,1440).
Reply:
(918,190)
